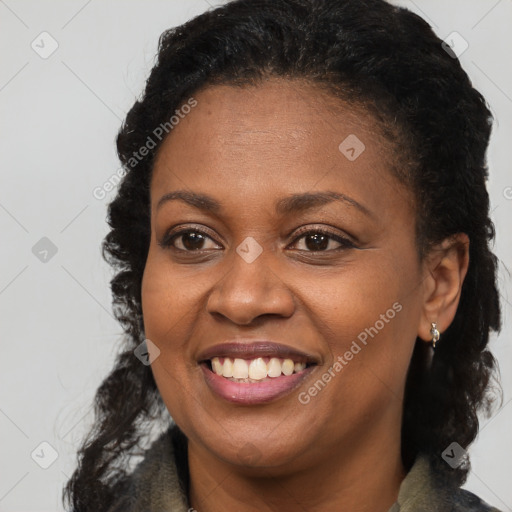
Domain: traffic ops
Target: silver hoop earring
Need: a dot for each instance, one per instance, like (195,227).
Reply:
(435,334)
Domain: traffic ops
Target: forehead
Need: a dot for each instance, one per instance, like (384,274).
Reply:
(276,114)
(279,135)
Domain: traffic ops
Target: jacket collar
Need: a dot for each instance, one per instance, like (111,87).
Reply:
(160,484)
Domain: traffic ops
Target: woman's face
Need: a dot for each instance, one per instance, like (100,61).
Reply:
(299,245)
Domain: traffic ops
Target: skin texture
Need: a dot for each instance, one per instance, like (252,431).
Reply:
(248,148)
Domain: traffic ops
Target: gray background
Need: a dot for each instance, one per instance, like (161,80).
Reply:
(58,119)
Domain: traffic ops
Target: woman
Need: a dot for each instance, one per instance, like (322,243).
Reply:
(303,270)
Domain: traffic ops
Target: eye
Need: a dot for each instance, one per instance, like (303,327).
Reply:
(321,240)
(188,240)
(310,240)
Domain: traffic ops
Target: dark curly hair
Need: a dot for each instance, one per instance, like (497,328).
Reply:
(371,54)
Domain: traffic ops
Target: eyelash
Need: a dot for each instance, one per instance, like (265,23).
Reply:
(169,238)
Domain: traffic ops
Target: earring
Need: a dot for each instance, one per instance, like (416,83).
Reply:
(435,334)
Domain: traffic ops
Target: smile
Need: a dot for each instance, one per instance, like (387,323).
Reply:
(254,373)
(255,370)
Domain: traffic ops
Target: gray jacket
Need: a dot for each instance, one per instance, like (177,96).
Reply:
(158,484)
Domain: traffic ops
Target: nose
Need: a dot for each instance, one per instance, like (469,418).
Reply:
(250,290)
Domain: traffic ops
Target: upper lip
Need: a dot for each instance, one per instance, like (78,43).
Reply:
(254,349)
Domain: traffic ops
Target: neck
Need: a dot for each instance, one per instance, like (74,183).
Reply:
(348,480)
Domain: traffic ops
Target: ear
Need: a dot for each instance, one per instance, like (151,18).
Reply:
(444,270)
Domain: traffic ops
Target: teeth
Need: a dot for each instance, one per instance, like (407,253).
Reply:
(287,368)
(217,366)
(255,369)
(274,367)
(240,369)
(298,367)
(227,369)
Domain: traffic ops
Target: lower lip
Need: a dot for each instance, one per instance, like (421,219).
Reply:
(255,392)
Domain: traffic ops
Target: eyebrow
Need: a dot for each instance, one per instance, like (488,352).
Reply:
(285,206)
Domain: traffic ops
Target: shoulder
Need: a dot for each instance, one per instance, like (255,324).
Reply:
(423,491)
(155,483)
(467,501)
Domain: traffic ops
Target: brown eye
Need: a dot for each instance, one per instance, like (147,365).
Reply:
(188,241)
(192,241)
(319,240)
(316,242)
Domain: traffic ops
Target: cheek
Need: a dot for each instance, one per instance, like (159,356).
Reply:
(168,301)
(367,314)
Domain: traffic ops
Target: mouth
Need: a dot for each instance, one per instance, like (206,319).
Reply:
(254,373)
(260,369)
